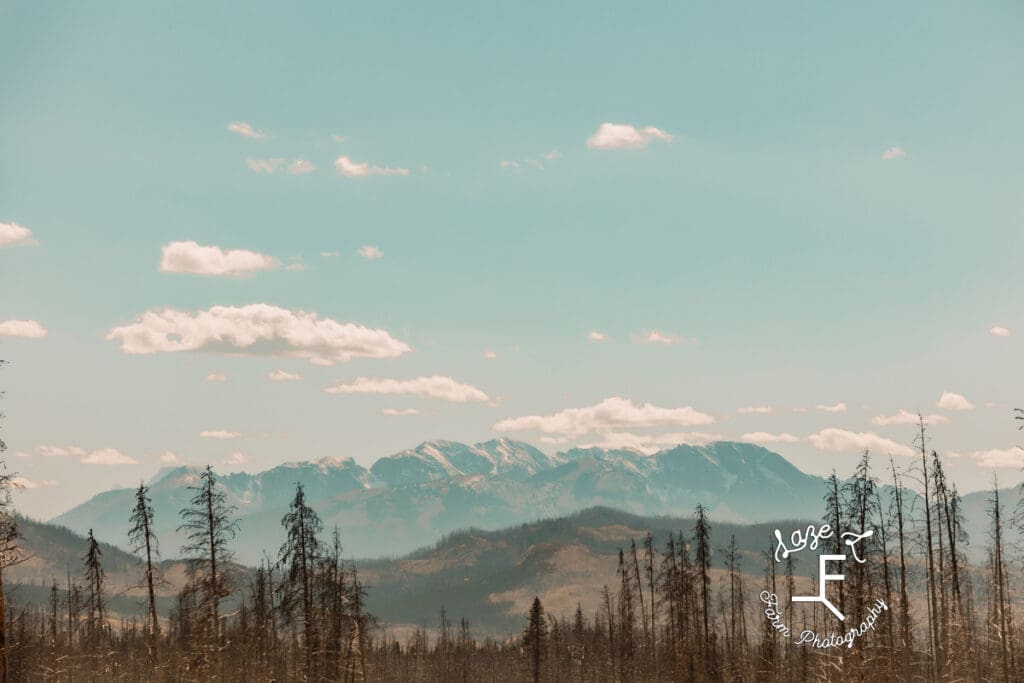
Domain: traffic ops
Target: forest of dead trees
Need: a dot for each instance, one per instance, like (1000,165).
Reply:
(682,608)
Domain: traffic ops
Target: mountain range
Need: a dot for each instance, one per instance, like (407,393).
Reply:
(415,497)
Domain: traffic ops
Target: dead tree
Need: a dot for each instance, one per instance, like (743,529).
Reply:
(145,545)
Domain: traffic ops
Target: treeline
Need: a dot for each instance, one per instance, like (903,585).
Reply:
(671,616)
(682,608)
(297,617)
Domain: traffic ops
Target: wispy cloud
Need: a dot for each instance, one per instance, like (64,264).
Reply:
(657,337)
(273,165)
(538,162)
(268,166)
(905,417)
(14,235)
(108,456)
(596,336)
(338,138)
(99,456)
(609,415)
(490,355)
(20,482)
(837,408)
(301,167)
(245,130)
(283,376)
(999,331)
(236,458)
(953,401)
(256,329)
(767,437)
(216,377)
(370,252)
(625,136)
(435,387)
(195,259)
(219,434)
(1012,457)
(843,441)
(894,153)
(652,443)
(169,458)
(755,410)
(30,329)
(400,411)
(361,169)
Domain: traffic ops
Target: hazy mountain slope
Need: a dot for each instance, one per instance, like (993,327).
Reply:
(418,495)
(486,576)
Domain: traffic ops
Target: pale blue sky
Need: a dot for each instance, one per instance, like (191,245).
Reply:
(809,269)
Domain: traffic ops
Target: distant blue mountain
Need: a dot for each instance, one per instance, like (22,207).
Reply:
(413,498)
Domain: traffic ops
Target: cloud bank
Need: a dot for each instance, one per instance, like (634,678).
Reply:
(256,329)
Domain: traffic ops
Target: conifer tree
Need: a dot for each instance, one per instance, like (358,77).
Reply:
(145,545)
(535,637)
(298,556)
(95,624)
(209,526)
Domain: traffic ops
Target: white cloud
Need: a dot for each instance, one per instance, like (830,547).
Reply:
(596,336)
(20,482)
(29,329)
(370,252)
(625,136)
(999,457)
(219,434)
(191,257)
(656,337)
(531,162)
(400,411)
(108,456)
(953,401)
(337,138)
(282,376)
(490,355)
(216,377)
(604,417)
(905,417)
(360,169)
(246,130)
(236,458)
(894,153)
(755,410)
(999,331)
(269,166)
(652,443)
(301,167)
(61,451)
(330,254)
(436,386)
(843,441)
(14,235)
(837,408)
(766,437)
(100,456)
(256,329)
(169,458)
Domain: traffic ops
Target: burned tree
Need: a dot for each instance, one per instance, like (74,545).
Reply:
(209,526)
(145,545)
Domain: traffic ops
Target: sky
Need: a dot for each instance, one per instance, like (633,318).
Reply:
(246,235)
